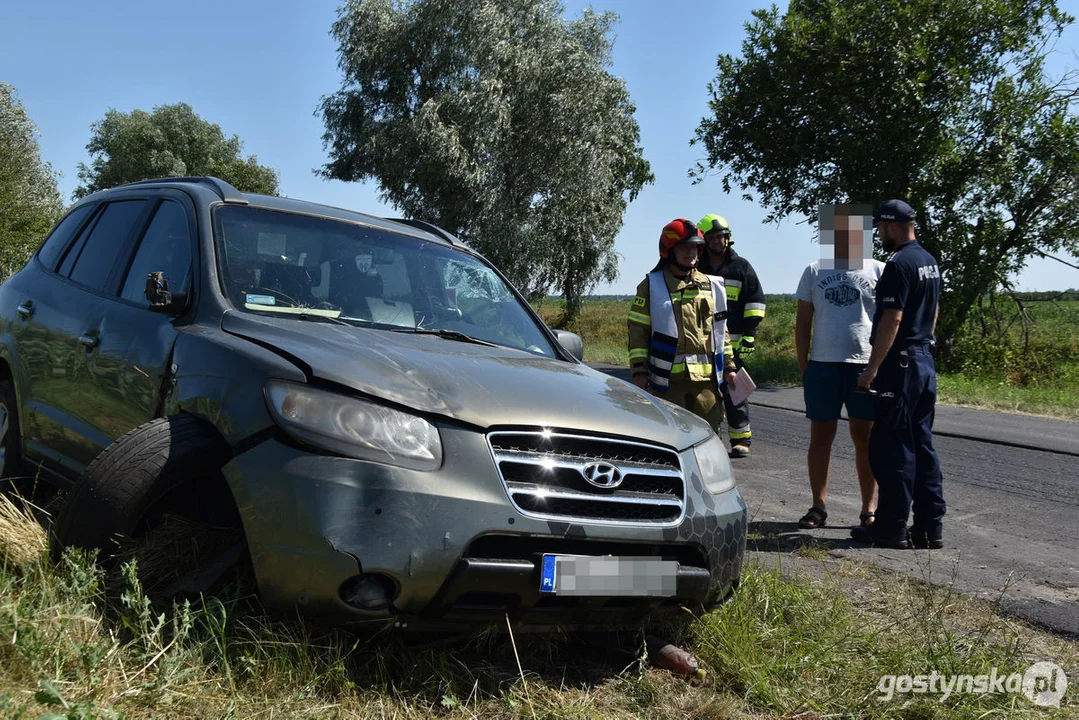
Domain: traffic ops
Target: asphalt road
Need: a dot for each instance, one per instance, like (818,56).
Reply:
(1012,528)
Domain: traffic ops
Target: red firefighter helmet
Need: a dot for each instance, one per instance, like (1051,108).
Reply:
(677,232)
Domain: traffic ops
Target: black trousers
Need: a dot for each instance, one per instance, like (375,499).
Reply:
(738,429)
(901,451)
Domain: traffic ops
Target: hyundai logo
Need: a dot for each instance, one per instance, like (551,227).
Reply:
(602,475)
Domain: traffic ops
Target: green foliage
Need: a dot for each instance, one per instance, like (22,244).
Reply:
(1020,343)
(29,199)
(497,120)
(944,103)
(171,141)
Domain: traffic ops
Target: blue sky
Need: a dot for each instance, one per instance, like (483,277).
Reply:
(259,68)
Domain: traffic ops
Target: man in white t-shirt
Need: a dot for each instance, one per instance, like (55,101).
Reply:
(836,298)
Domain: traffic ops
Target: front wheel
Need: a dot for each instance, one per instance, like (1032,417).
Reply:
(165,465)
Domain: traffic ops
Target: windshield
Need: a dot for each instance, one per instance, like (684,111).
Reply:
(315,268)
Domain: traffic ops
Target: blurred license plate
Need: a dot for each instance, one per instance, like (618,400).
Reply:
(607,576)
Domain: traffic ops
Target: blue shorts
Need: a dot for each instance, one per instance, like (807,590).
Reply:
(828,386)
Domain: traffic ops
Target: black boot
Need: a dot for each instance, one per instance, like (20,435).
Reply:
(869,536)
(927,539)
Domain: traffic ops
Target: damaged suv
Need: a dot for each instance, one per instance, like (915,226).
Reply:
(396,433)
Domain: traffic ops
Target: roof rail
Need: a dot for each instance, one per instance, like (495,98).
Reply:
(225,191)
(433,229)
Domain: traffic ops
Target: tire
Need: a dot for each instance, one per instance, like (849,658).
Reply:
(10,440)
(118,490)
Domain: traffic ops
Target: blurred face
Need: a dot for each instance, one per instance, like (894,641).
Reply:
(685,255)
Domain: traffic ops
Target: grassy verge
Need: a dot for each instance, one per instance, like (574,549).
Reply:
(782,647)
(1007,384)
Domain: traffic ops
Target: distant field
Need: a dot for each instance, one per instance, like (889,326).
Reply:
(995,375)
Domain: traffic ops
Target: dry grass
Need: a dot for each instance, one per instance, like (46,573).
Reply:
(24,541)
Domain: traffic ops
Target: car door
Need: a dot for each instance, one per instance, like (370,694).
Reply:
(34,304)
(128,366)
(62,420)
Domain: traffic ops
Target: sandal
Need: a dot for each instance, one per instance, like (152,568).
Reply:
(868,518)
(815,518)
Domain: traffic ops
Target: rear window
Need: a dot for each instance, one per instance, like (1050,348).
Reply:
(61,236)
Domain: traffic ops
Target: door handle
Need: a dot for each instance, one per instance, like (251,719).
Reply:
(90,341)
(26,310)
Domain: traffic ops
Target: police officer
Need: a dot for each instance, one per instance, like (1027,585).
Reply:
(902,372)
(678,340)
(745,310)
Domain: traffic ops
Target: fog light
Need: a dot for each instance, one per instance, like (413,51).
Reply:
(370,593)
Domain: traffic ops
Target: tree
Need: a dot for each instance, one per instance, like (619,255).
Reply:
(172,141)
(497,120)
(29,199)
(943,102)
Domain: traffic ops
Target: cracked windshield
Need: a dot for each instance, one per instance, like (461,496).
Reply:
(317,269)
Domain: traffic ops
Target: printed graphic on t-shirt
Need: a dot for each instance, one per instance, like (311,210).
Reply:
(840,290)
(842,295)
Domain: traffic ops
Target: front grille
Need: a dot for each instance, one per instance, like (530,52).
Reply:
(544,474)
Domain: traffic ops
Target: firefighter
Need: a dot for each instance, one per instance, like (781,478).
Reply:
(745,308)
(678,340)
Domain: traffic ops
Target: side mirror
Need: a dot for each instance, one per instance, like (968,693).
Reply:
(571,342)
(161,300)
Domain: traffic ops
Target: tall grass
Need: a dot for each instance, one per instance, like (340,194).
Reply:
(780,647)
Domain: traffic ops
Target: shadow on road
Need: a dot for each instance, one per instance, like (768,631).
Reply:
(766,536)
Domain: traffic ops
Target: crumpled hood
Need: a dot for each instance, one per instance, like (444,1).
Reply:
(475,384)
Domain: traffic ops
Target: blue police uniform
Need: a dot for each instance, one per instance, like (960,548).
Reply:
(901,450)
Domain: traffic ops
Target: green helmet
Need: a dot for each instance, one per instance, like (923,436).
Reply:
(711,223)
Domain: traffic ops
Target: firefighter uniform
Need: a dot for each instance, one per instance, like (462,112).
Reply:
(691,356)
(745,310)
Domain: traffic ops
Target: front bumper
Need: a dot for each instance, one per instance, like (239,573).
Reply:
(448,545)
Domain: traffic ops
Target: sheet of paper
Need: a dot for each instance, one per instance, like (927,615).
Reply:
(743,387)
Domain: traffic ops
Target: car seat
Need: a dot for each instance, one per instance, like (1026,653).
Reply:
(350,287)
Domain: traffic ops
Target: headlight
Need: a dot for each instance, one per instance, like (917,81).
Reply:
(715,465)
(355,427)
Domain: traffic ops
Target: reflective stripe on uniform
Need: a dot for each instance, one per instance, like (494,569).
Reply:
(662,364)
(744,434)
(690,293)
(697,358)
(638,354)
(640,318)
(754,310)
(735,338)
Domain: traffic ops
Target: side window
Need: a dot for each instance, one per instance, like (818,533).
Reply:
(99,250)
(61,235)
(166,246)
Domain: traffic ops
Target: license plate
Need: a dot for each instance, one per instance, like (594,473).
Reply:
(608,576)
